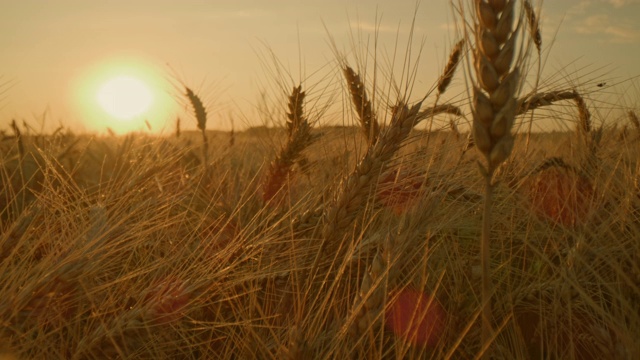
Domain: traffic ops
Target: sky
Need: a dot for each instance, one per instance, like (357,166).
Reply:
(56,55)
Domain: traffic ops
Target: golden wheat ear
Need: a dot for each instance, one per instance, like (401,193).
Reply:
(198,108)
(634,119)
(534,25)
(299,138)
(200,113)
(362,104)
(450,68)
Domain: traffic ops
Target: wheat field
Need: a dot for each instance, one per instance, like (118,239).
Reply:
(421,227)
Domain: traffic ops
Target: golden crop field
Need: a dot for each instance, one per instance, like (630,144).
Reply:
(379,239)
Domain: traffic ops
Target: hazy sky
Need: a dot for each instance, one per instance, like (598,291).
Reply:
(54,54)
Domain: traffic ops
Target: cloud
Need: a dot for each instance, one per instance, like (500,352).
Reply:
(232,14)
(621,3)
(366,26)
(454,26)
(603,25)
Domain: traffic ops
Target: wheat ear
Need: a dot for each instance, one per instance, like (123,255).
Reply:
(445,79)
(362,104)
(494,109)
(18,136)
(538,100)
(584,116)
(450,68)
(354,189)
(534,25)
(634,119)
(200,112)
(299,138)
(536,38)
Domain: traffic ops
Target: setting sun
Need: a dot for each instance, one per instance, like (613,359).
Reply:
(122,93)
(124,97)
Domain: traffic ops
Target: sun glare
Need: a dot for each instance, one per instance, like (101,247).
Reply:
(124,97)
(123,94)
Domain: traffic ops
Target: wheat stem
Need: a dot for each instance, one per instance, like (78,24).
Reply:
(494,109)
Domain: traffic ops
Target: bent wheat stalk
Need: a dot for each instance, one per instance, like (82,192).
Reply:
(494,109)
(355,188)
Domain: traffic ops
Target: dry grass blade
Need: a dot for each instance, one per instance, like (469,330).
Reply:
(534,25)
(362,104)
(450,68)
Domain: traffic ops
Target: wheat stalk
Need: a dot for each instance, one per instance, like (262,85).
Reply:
(362,105)
(494,109)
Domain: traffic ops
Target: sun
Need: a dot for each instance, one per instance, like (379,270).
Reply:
(124,97)
(122,93)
